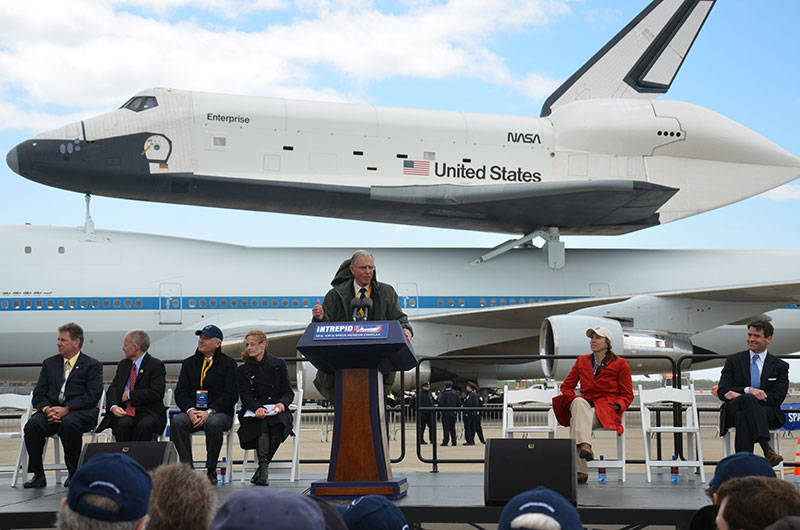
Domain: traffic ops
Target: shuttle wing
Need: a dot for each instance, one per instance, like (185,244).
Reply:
(642,59)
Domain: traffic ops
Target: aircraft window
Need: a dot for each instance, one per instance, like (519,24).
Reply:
(60,250)
(234,302)
(212,303)
(50,304)
(62,304)
(201,303)
(295,302)
(483,302)
(371,168)
(305,302)
(16,304)
(288,148)
(502,301)
(220,141)
(285,302)
(400,155)
(117,304)
(245,303)
(4,305)
(492,302)
(512,301)
(451,302)
(440,302)
(192,303)
(223,303)
(73,304)
(264,302)
(461,302)
(138,304)
(140,103)
(127,304)
(38,304)
(84,304)
(27,250)
(106,304)
(274,302)
(412,302)
(27,304)
(95,304)
(358,153)
(253,303)
(175,304)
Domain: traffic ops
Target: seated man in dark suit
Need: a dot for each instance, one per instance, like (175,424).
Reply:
(206,394)
(752,386)
(65,403)
(135,399)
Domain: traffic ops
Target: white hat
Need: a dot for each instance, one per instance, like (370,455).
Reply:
(601,331)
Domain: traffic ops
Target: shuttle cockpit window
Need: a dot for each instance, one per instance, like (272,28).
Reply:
(140,103)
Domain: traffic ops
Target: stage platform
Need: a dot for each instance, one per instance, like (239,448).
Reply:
(444,497)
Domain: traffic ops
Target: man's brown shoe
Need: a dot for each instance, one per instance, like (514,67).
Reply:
(586,452)
(583,478)
(773,458)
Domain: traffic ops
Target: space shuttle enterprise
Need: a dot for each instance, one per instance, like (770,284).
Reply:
(605,156)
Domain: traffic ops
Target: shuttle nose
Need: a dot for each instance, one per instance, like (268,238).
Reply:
(12,159)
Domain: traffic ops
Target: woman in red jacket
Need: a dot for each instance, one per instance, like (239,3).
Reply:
(606,391)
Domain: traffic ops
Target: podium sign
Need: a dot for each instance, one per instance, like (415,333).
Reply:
(358,353)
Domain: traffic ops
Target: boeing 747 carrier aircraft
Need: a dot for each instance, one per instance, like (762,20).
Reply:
(111,282)
(604,157)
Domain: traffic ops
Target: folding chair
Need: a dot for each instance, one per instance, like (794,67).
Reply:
(24,404)
(690,427)
(619,462)
(776,442)
(294,464)
(528,395)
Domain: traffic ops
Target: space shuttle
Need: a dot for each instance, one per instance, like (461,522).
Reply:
(606,156)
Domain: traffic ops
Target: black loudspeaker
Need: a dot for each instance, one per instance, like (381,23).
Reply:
(149,454)
(513,466)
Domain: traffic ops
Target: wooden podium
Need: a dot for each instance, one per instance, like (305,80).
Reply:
(359,353)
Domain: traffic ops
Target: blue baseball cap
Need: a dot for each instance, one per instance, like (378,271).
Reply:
(740,465)
(278,509)
(373,512)
(117,477)
(211,331)
(544,501)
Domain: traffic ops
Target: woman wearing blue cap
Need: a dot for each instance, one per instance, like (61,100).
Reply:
(266,394)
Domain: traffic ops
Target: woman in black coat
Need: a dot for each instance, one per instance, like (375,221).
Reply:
(266,394)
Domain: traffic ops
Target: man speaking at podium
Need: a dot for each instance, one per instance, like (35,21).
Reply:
(356,294)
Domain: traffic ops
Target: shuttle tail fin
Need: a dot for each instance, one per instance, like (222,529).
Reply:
(642,59)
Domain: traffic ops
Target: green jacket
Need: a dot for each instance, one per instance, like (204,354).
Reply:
(336,306)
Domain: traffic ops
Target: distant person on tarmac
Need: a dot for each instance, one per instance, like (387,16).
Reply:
(449,398)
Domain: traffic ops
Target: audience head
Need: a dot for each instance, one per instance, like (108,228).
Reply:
(271,508)
(181,494)
(373,512)
(739,465)
(333,519)
(448,385)
(539,509)
(753,503)
(110,491)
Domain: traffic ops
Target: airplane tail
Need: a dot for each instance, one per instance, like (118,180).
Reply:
(642,59)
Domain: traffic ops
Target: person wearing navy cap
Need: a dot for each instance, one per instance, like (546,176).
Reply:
(539,508)
(373,512)
(107,490)
(273,508)
(206,394)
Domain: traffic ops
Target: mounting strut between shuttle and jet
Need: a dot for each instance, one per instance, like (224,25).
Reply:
(556,255)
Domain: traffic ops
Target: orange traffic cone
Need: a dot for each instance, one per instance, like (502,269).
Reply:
(797,459)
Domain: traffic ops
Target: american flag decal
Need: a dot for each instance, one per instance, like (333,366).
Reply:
(416,167)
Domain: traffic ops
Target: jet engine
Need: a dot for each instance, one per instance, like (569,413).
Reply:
(566,335)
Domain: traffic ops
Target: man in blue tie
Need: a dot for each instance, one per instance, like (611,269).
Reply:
(752,387)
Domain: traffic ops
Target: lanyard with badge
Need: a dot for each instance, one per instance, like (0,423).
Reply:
(201,401)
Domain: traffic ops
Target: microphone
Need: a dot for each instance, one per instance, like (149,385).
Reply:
(355,305)
(366,305)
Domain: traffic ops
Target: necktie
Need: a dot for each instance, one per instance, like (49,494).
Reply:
(362,293)
(61,393)
(755,377)
(130,410)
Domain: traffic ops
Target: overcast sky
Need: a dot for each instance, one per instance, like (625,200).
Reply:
(62,61)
